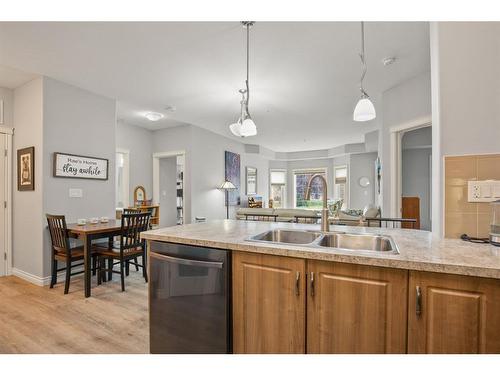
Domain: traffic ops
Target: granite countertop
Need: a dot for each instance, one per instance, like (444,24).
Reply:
(418,250)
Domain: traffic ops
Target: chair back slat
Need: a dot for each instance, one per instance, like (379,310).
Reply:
(58,233)
(131,228)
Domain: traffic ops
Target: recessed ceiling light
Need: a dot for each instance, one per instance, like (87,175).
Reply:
(153,116)
(388,61)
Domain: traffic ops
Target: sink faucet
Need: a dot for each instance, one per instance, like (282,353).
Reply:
(325,225)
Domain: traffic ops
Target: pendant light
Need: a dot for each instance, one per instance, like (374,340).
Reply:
(245,127)
(364,110)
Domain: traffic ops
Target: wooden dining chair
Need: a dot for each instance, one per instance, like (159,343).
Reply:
(63,252)
(135,210)
(131,247)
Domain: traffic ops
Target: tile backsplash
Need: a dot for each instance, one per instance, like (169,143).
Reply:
(460,215)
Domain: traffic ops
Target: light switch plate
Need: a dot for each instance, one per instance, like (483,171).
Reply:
(75,193)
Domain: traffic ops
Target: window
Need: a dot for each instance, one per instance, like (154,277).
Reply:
(340,183)
(278,187)
(300,180)
(122,181)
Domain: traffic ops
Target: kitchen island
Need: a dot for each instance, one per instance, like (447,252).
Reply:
(432,296)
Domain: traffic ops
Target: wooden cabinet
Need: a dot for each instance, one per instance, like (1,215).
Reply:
(453,314)
(268,304)
(356,309)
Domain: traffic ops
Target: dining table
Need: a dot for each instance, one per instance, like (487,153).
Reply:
(88,233)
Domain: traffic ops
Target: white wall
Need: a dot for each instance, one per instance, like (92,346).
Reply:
(168,191)
(405,103)
(78,122)
(465,61)
(139,142)
(361,165)
(28,224)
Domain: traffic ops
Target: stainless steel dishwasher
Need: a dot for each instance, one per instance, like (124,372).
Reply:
(189,299)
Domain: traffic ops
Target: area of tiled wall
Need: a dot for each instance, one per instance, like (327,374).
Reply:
(460,215)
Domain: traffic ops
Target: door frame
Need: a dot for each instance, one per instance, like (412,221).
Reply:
(156,178)
(126,175)
(9,132)
(396,154)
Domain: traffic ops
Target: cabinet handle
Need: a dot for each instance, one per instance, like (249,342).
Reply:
(297,284)
(418,304)
(312,284)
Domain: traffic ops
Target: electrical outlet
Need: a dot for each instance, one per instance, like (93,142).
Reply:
(483,191)
(476,191)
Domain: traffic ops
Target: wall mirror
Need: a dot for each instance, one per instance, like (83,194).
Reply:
(251,180)
(364,181)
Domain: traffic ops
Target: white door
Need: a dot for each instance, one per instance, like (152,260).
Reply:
(3,210)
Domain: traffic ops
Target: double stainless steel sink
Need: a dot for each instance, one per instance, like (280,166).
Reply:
(337,240)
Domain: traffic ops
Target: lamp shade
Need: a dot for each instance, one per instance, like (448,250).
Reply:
(248,128)
(364,110)
(227,185)
(236,128)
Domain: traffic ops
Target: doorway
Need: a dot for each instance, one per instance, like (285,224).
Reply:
(168,187)
(5,201)
(411,172)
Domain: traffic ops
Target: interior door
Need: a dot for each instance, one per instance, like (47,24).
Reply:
(3,198)
(410,209)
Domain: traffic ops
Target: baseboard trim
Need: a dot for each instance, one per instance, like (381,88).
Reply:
(37,280)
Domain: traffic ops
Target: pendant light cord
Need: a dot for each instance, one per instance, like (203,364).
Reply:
(248,63)
(362,57)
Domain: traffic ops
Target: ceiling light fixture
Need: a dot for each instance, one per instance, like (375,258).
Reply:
(245,127)
(388,61)
(364,110)
(153,116)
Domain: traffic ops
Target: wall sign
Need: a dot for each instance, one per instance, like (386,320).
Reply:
(77,166)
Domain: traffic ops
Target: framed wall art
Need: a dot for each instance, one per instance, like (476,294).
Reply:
(78,166)
(26,169)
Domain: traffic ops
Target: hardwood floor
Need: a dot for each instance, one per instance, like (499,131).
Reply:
(37,319)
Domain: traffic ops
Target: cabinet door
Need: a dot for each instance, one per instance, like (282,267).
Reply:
(268,304)
(453,314)
(356,309)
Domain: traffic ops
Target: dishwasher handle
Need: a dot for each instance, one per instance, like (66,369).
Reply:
(187,262)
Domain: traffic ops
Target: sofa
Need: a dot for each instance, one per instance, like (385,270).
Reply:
(286,215)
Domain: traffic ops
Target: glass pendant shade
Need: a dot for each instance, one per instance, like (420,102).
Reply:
(364,111)
(248,128)
(236,128)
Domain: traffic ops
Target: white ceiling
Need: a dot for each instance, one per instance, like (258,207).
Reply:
(303,76)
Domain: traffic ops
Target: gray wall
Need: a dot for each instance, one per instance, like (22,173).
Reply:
(361,165)
(168,192)
(416,181)
(204,168)
(78,122)
(139,142)
(419,138)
